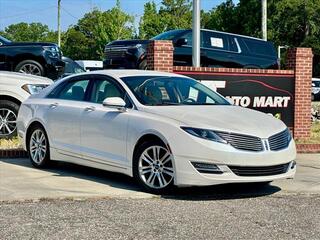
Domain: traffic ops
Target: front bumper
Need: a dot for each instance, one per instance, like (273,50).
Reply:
(223,157)
(54,68)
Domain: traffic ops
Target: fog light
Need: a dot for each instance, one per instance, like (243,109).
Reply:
(207,168)
(293,164)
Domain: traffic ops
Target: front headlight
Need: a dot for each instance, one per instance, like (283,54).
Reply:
(53,51)
(289,135)
(33,88)
(205,134)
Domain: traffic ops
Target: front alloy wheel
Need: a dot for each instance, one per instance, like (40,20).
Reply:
(7,122)
(30,69)
(38,147)
(155,167)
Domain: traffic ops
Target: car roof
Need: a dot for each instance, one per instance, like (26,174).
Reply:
(120,73)
(226,33)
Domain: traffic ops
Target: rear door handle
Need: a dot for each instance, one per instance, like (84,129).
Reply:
(90,109)
(54,105)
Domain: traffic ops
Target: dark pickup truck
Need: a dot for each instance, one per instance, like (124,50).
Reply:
(41,59)
(218,49)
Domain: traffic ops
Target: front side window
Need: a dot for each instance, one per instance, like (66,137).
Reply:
(74,90)
(157,91)
(73,67)
(105,88)
(188,36)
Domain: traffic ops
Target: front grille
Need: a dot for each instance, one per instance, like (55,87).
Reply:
(279,141)
(242,142)
(259,171)
(112,53)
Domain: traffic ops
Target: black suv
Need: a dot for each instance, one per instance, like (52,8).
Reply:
(218,49)
(42,59)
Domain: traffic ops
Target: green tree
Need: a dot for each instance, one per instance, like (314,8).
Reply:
(243,18)
(172,14)
(33,32)
(176,13)
(151,23)
(95,30)
(222,17)
(75,44)
(296,23)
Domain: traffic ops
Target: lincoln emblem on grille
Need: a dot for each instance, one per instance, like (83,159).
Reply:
(266,144)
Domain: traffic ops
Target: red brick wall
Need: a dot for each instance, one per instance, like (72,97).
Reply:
(299,63)
(160,56)
(300,60)
(231,70)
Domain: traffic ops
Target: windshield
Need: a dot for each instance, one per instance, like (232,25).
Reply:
(72,67)
(161,91)
(316,83)
(4,40)
(170,35)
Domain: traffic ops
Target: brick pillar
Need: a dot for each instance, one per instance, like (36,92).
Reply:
(300,59)
(160,56)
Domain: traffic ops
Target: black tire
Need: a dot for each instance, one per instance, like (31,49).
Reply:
(30,67)
(143,64)
(312,97)
(12,108)
(144,146)
(45,161)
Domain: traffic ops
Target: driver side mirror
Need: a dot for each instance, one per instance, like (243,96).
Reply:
(115,102)
(181,41)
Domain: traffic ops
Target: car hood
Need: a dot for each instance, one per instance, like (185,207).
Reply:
(127,43)
(30,44)
(14,78)
(222,118)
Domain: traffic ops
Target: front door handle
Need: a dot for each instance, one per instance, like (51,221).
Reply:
(90,109)
(54,105)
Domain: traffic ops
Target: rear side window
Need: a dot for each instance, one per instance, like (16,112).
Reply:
(188,36)
(260,47)
(215,40)
(74,90)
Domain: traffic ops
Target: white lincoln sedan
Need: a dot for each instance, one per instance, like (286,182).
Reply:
(162,129)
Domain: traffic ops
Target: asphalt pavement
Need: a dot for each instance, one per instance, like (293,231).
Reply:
(73,202)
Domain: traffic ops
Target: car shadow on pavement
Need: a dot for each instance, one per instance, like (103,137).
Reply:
(120,181)
(223,192)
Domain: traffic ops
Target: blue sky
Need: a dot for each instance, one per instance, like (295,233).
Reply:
(45,11)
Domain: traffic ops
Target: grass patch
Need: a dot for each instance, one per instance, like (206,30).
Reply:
(315,134)
(13,143)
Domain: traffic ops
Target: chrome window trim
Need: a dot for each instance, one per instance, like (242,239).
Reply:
(238,45)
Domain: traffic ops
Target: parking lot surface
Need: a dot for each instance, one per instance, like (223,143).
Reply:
(20,181)
(72,202)
(269,217)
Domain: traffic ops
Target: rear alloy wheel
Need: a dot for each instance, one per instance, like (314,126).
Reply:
(8,118)
(38,147)
(154,167)
(30,67)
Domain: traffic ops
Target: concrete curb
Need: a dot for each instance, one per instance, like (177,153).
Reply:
(13,153)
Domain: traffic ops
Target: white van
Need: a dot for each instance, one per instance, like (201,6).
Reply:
(90,65)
